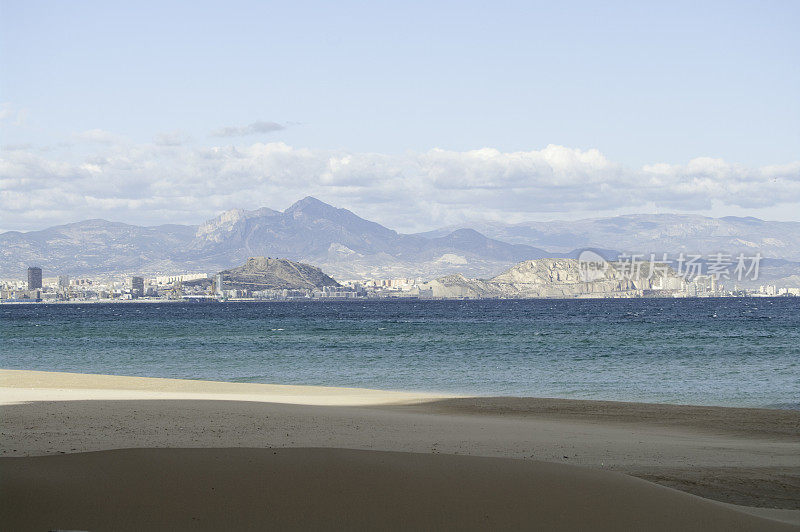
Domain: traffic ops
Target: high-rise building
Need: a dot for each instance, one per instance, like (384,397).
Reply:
(34,278)
(63,282)
(137,286)
(218,284)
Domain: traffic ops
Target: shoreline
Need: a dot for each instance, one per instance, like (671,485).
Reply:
(47,379)
(747,457)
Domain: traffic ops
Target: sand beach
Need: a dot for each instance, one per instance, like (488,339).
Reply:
(98,452)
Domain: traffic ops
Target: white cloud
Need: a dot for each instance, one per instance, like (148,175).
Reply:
(250,129)
(147,184)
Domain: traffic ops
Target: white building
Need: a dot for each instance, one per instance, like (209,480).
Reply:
(163,280)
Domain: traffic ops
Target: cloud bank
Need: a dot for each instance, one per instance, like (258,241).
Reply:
(169,182)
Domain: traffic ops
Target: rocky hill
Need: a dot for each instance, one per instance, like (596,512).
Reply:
(264,273)
(556,278)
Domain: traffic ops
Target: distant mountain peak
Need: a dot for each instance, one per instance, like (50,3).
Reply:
(308,201)
(310,204)
(227,220)
(310,209)
(467,234)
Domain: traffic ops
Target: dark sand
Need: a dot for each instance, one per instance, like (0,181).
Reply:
(312,488)
(716,419)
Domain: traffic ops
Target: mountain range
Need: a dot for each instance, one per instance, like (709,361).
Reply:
(653,233)
(347,246)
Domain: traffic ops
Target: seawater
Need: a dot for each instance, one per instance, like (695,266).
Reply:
(734,351)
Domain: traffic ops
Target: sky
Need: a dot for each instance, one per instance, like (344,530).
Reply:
(413,114)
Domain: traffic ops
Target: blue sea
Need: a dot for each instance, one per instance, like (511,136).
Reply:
(734,351)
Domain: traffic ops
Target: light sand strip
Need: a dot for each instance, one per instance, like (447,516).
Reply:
(25,386)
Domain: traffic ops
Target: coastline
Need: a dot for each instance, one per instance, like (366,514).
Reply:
(746,457)
(410,299)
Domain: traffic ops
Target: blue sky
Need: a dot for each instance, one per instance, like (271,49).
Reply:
(90,84)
